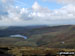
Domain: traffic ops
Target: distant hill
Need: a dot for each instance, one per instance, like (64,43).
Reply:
(13,30)
(54,37)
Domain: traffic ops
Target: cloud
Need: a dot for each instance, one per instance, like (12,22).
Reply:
(37,15)
(62,1)
(66,1)
(6,1)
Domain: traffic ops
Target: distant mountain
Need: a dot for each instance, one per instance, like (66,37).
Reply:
(13,30)
(44,36)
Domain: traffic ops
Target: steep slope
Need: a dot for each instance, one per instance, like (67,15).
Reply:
(57,37)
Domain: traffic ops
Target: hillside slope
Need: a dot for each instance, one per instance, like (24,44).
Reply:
(57,37)
(53,37)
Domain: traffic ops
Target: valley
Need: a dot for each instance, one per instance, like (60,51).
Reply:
(52,37)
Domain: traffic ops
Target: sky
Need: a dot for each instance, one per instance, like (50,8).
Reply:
(37,12)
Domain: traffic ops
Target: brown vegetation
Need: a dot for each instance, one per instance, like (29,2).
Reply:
(31,51)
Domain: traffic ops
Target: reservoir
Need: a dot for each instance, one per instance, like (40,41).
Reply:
(18,35)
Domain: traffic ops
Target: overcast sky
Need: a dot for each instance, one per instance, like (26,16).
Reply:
(37,12)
